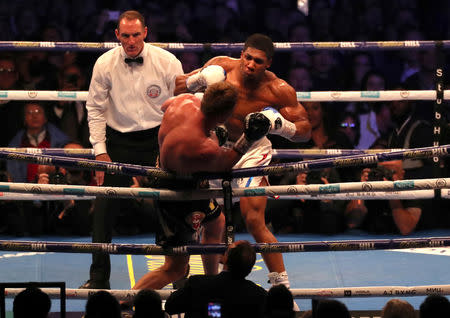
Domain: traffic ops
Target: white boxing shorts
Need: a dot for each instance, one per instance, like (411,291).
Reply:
(259,154)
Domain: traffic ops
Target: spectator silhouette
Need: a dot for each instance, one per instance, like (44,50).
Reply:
(31,302)
(398,308)
(102,305)
(147,303)
(237,296)
(279,303)
(435,306)
(331,308)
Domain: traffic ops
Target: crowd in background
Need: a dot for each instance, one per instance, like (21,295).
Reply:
(335,125)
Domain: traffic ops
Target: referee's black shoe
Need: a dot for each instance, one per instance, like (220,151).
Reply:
(95,284)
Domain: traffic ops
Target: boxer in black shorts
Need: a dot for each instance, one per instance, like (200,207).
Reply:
(181,221)
(187,145)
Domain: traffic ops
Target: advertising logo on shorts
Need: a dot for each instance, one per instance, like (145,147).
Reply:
(153,91)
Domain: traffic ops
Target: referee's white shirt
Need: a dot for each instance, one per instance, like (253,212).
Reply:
(128,97)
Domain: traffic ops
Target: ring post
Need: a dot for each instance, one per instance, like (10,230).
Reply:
(228,204)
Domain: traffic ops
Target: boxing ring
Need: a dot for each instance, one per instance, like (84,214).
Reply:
(353,266)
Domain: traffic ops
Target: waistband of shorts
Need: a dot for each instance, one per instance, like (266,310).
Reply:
(140,134)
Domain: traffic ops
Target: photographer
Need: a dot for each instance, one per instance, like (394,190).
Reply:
(300,215)
(12,212)
(71,217)
(386,216)
(322,216)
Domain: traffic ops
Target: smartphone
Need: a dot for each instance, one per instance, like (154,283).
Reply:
(214,310)
(113,15)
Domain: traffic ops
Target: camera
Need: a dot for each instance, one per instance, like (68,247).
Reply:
(57,178)
(214,310)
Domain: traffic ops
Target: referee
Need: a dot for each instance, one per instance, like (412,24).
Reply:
(128,86)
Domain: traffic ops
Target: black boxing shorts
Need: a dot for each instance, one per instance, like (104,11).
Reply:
(181,221)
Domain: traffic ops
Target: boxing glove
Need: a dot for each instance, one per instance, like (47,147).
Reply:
(222,134)
(278,124)
(207,76)
(256,126)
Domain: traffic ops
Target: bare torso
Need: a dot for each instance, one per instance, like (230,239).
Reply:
(186,143)
(180,134)
(251,98)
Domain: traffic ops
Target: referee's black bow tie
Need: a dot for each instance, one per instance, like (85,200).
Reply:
(138,60)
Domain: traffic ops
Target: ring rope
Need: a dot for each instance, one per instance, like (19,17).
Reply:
(63,152)
(445,194)
(206,194)
(278,247)
(319,96)
(345,161)
(129,169)
(371,195)
(369,96)
(86,164)
(276,153)
(71,293)
(399,195)
(324,153)
(339,292)
(41,197)
(232,47)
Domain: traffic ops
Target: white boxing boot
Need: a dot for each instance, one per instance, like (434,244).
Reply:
(281,278)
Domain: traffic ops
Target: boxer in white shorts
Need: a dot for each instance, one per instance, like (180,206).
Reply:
(260,154)
(258,88)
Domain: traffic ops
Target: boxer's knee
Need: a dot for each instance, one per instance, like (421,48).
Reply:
(254,222)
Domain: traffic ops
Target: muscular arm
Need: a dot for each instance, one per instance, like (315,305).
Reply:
(206,156)
(293,111)
(180,81)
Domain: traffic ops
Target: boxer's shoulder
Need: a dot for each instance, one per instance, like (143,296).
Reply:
(228,63)
(279,88)
(180,100)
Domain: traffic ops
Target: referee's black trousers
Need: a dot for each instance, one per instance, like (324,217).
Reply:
(139,148)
